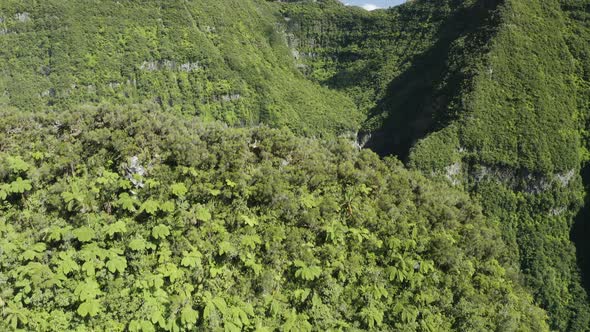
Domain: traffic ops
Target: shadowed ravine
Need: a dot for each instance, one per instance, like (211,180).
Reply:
(418,102)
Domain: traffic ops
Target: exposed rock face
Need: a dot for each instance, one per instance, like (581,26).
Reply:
(565,178)
(453,173)
(22,17)
(231,97)
(522,180)
(154,65)
(135,171)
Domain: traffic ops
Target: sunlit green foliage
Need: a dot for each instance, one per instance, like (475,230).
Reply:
(500,90)
(518,147)
(405,67)
(235,229)
(225,60)
(156,217)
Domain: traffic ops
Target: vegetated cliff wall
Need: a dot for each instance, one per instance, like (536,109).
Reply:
(518,144)
(581,233)
(485,94)
(225,60)
(578,40)
(405,67)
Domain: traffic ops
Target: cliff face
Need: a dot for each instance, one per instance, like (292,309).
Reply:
(223,60)
(578,40)
(489,95)
(519,146)
(406,67)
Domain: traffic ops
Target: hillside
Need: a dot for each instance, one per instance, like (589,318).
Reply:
(404,67)
(189,57)
(579,45)
(134,219)
(486,95)
(199,165)
(518,147)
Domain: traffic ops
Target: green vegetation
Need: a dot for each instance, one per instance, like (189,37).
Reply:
(189,57)
(405,67)
(191,165)
(116,218)
(491,96)
(520,153)
(578,39)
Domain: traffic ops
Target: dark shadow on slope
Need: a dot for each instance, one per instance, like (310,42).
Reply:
(581,234)
(419,101)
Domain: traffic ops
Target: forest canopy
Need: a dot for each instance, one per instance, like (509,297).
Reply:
(256,165)
(118,218)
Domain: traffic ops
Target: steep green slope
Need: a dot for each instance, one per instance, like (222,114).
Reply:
(225,60)
(579,45)
(517,146)
(496,89)
(404,67)
(129,219)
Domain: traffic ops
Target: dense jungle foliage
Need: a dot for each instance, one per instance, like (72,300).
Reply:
(194,165)
(116,218)
(579,44)
(221,60)
(405,68)
(518,147)
(503,111)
